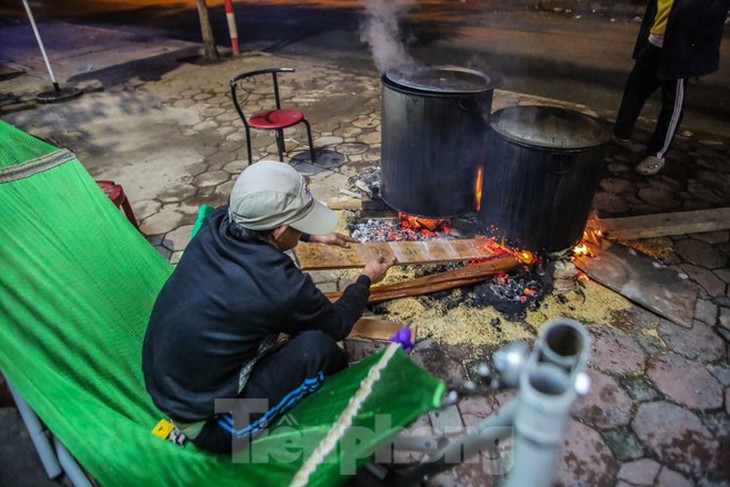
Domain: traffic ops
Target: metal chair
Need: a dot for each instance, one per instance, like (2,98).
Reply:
(276,119)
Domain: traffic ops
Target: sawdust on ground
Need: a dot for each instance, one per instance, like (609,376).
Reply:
(659,248)
(345,219)
(592,304)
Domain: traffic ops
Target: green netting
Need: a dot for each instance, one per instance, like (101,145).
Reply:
(16,146)
(78,283)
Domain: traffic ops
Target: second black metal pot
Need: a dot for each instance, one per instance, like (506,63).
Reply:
(541,173)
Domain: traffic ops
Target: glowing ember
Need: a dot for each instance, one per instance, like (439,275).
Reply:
(581,249)
(424,224)
(478,190)
(525,256)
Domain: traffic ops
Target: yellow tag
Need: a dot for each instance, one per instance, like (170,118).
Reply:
(163,429)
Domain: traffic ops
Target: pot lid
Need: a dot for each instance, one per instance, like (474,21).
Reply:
(444,79)
(548,127)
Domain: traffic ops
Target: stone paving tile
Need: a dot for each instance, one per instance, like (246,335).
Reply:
(164,221)
(706,311)
(685,382)
(624,444)
(677,437)
(698,343)
(447,420)
(586,460)
(616,352)
(700,253)
(713,285)
(606,406)
(640,389)
(640,472)
(721,373)
(670,478)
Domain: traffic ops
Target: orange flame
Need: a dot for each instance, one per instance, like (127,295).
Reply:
(478,190)
(424,224)
(500,248)
(525,256)
(582,249)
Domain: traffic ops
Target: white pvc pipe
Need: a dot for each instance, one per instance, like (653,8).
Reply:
(40,44)
(37,435)
(74,472)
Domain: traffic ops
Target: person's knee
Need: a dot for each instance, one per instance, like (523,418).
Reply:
(320,349)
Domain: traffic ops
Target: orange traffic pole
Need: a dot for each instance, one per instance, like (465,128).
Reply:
(232,26)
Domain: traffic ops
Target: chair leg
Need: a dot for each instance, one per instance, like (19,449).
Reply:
(280,143)
(248,146)
(128,211)
(47,455)
(309,138)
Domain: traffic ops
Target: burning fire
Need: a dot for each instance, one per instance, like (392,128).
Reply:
(582,249)
(478,190)
(525,256)
(425,225)
(587,246)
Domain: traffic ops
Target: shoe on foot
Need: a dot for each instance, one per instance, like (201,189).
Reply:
(620,140)
(649,166)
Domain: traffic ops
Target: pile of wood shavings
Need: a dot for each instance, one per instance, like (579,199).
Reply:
(459,325)
(659,248)
(345,220)
(592,304)
(466,325)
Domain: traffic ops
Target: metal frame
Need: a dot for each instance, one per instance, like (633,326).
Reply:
(56,459)
(236,83)
(549,379)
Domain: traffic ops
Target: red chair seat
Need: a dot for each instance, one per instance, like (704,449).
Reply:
(276,119)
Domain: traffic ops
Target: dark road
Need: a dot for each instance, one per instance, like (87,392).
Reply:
(582,58)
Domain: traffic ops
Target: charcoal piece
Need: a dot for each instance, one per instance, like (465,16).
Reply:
(369,176)
(513,293)
(388,230)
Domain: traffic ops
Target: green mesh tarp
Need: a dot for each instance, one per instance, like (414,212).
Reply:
(78,283)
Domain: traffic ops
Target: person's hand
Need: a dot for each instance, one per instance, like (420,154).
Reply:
(377,268)
(334,239)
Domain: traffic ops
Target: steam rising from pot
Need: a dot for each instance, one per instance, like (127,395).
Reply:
(381,32)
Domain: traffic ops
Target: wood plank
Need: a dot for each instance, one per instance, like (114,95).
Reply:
(376,329)
(441,281)
(638,278)
(315,256)
(344,203)
(665,224)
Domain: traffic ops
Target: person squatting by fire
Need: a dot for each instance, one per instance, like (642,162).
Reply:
(214,327)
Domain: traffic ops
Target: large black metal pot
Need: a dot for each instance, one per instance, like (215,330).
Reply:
(541,173)
(434,125)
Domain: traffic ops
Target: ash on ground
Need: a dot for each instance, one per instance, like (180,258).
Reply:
(367,181)
(391,230)
(513,293)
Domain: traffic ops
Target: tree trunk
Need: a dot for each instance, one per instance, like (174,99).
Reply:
(211,52)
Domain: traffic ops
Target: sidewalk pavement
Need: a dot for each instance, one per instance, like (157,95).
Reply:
(659,410)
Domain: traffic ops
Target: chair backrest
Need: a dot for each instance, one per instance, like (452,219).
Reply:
(239,93)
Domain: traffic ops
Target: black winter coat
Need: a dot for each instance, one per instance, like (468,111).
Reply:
(224,298)
(692,39)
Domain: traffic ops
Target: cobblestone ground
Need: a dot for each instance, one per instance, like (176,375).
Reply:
(658,411)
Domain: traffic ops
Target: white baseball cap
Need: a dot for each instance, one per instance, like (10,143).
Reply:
(269,194)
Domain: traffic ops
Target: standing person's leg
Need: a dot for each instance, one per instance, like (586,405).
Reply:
(669,118)
(282,377)
(641,83)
